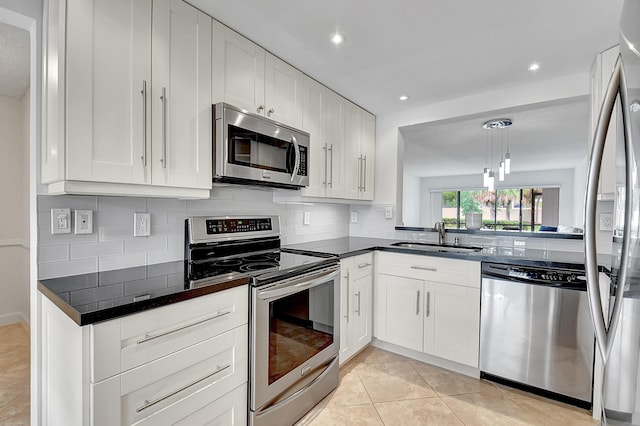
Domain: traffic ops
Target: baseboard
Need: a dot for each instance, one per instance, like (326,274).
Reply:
(13,318)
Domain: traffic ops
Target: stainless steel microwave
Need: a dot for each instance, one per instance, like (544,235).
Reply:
(252,149)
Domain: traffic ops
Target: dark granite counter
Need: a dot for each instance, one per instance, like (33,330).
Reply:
(352,246)
(100,296)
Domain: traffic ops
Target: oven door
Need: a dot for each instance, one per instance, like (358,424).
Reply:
(250,147)
(295,335)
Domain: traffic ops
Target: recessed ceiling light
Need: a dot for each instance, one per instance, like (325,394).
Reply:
(534,67)
(338,38)
(404,97)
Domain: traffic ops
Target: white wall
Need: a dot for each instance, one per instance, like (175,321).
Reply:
(14,217)
(579,189)
(112,245)
(549,178)
(411,200)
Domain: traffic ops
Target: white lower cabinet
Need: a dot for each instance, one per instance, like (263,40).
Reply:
(182,363)
(355,304)
(429,305)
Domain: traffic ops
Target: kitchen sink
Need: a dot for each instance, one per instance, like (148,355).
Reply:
(437,247)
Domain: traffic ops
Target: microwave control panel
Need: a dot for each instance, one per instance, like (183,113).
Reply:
(302,170)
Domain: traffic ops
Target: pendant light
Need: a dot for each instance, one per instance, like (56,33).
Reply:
(485,175)
(504,166)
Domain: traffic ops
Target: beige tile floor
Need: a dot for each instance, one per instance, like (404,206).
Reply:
(381,388)
(14,375)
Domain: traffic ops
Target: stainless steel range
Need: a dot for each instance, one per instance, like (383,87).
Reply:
(294,324)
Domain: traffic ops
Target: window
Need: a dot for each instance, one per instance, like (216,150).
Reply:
(518,209)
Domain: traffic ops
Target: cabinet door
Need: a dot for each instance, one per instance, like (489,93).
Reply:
(361,312)
(108,54)
(283,92)
(452,322)
(345,319)
(398,311)
(238,74)
(368,149)
(313,122)
(352,155)
(333,137)
(182,114)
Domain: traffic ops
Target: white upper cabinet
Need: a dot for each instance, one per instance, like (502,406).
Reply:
(323,120)
(359,149)
(105,120)
(247,77)
(107,72)
(181,95)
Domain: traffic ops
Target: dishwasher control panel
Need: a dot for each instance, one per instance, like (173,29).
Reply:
(545,275)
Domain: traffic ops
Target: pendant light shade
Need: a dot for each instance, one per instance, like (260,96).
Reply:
(501,171)
(485,177)
(492,178)
(507,162)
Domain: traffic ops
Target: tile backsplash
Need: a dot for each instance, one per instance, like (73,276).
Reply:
(112,245)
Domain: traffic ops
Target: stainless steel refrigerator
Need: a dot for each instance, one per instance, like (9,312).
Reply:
(618,325)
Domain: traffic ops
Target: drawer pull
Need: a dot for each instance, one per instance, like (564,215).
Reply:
(148,337)
(148,404)
(424,268)
(363,265)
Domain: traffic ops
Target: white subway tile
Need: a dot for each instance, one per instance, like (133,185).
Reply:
(161,256)
(103,248)
(68,267)
(127,260)
(82,202)
(115,233)
(166,204)
(145,244)
(53,253)
(48,239)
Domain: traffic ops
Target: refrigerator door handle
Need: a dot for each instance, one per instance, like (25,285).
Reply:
(604,334)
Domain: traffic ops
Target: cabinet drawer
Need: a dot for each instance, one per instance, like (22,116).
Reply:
(362,265)
(173,386)
(427,268)
(128,342)
(231,409)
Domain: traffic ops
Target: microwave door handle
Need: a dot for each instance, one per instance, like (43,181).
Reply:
(297,162)
(593,180)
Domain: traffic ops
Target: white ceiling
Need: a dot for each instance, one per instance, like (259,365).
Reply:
(14,61)
(543,137)
(429,50)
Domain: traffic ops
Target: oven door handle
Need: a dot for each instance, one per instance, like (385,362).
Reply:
(296,285)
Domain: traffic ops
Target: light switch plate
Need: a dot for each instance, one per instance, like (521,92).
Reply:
(354,217)
(83,222)
(306,218)
(141,224)
(606,221)
(388,212)
(60,221)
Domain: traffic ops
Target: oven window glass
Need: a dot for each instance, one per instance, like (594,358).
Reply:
(251,149)
(300,326)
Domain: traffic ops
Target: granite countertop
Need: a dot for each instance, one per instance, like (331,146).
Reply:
(352,246)
(100,296)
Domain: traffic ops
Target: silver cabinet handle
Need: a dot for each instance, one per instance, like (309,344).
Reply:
(163,98)
(348,306)
(148,337)
(360,173)
(424,268)
(148,404)
(324,148)
(363,265)
(271,111)
(418,303)
(260,108)
(428,303)
(297,163)
(358,310)
(604,334)
(144,123)
(331,174)
(364,174)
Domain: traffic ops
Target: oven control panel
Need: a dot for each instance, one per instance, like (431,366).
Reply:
(233,226)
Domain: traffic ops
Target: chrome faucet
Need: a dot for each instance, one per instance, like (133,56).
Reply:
(440,228)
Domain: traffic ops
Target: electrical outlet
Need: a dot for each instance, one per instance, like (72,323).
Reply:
(83,221)
(388,212)
(606,221)
(306,218)
(141,224)
(60,221)
(354,217)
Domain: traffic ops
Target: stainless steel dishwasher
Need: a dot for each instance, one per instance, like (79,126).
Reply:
(536,332)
